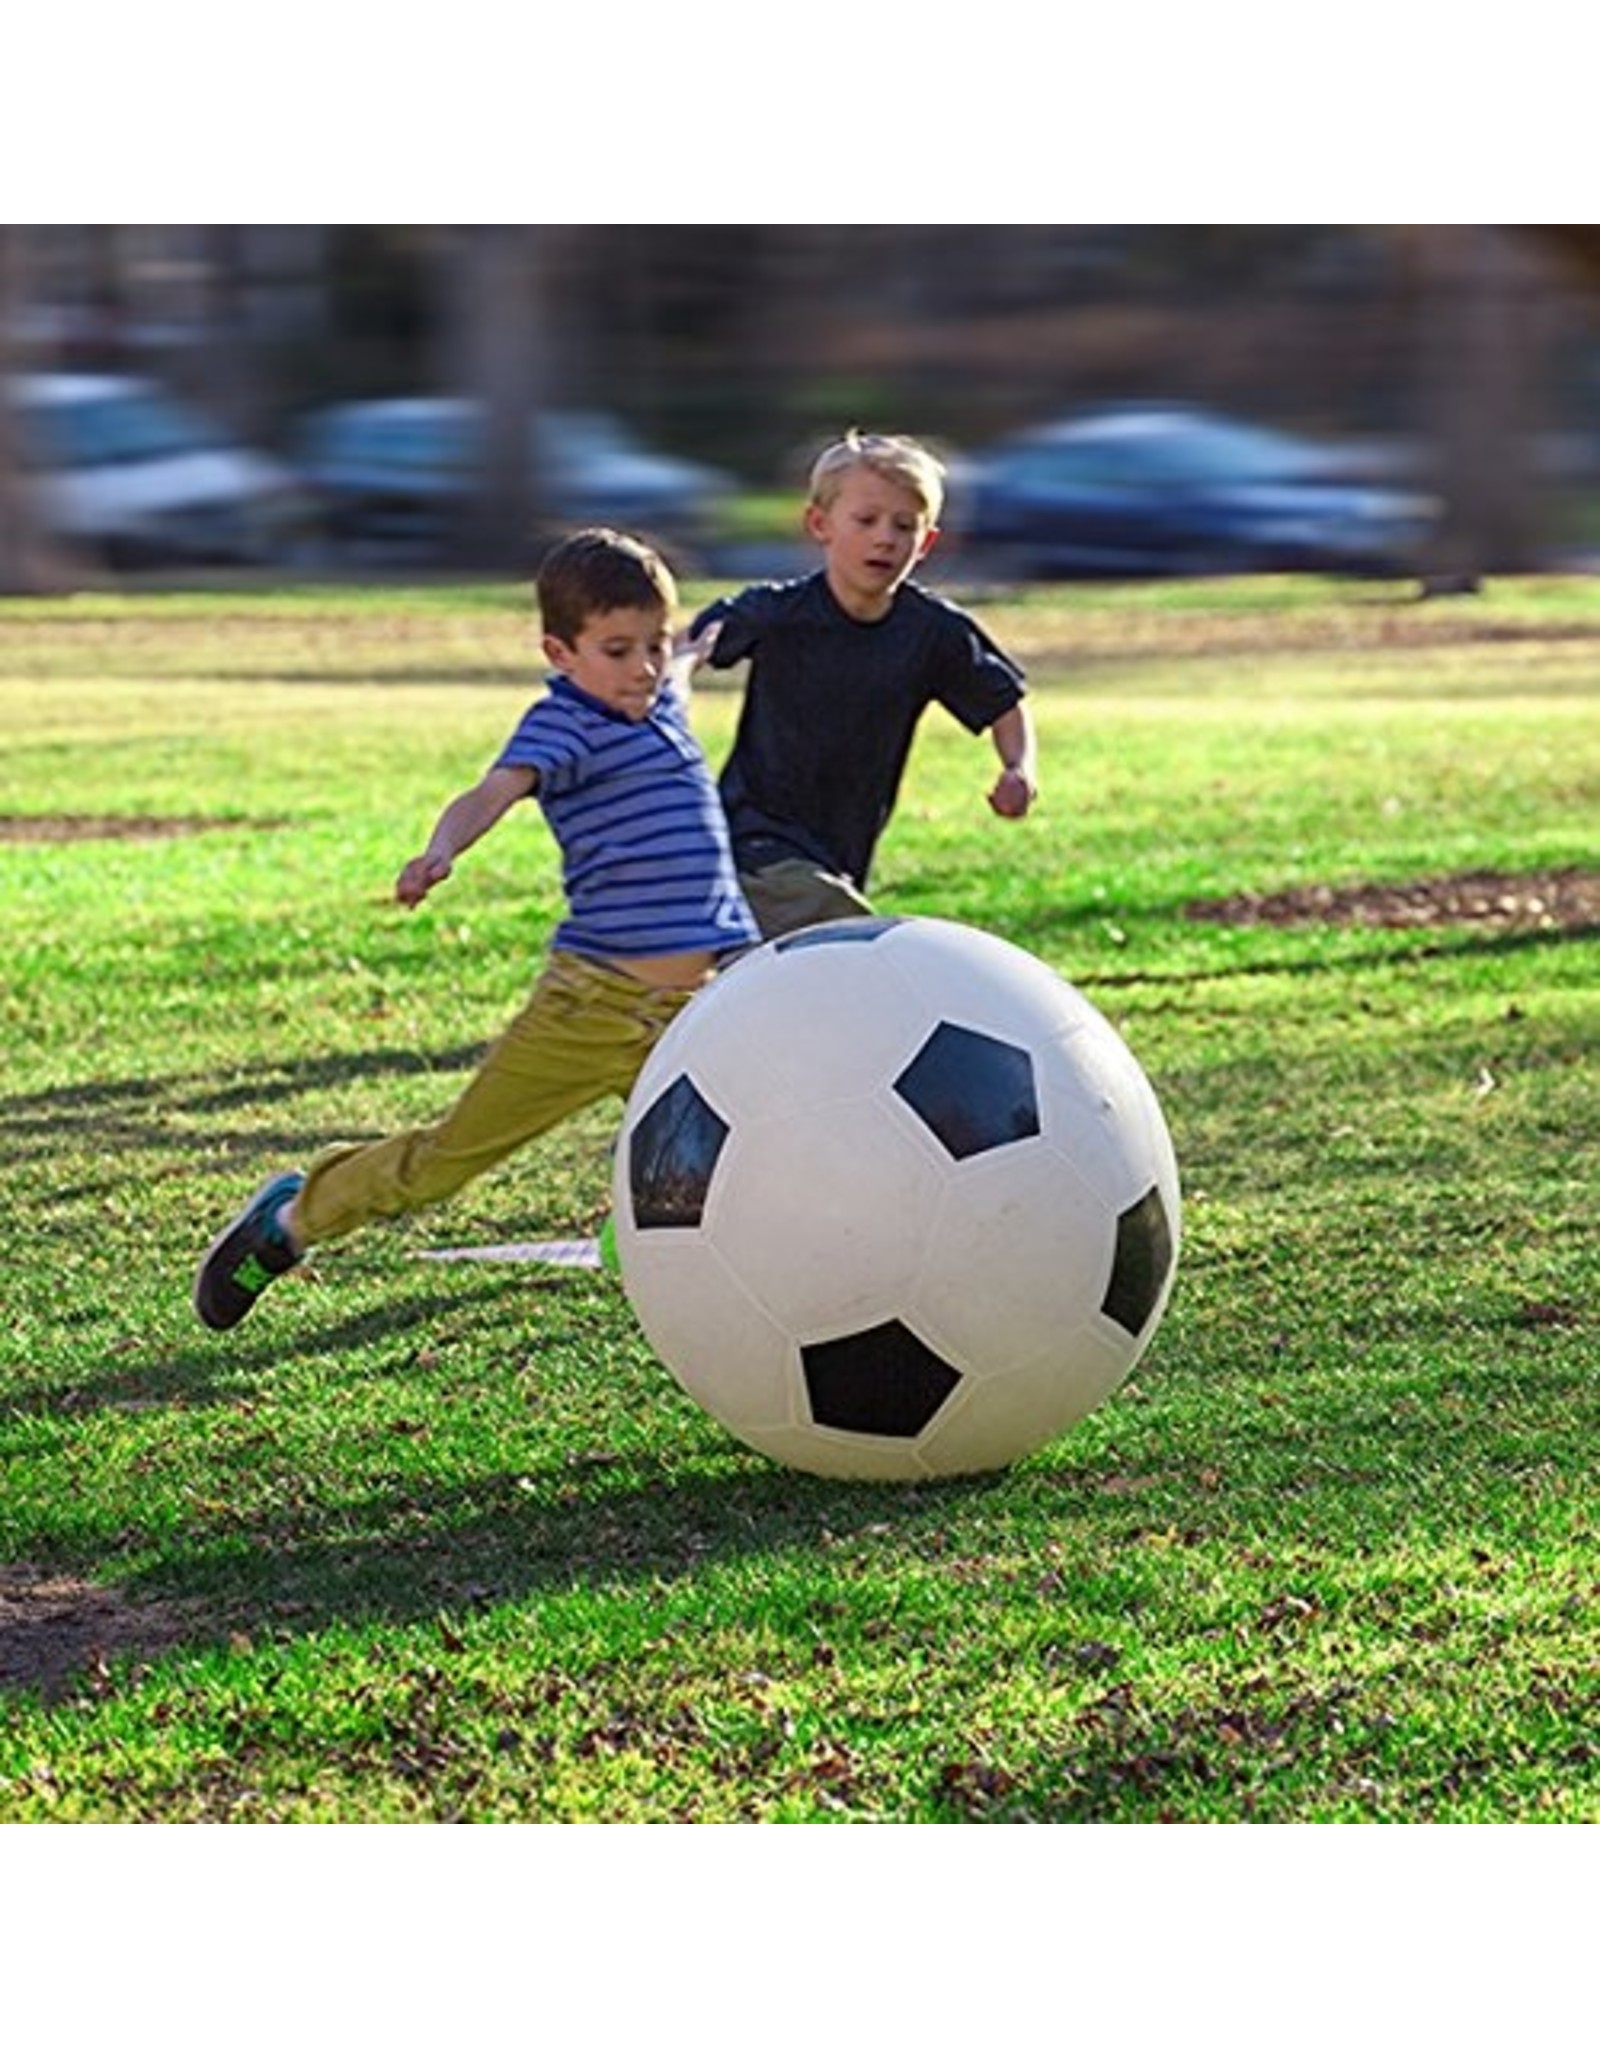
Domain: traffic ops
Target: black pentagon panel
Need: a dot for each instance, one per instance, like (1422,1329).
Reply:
(1143,1260)
(845,931)
(672,1155)
(972,1091)
(879,1382)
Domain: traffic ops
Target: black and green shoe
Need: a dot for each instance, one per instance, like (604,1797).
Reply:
(248,1255)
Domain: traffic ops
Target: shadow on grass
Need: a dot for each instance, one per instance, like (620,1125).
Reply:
(43,1114)
(417,1549)
(212,1377)
(1370,1465)
(414,1547)
(1303,1451)
(113,1122)
(395,1547)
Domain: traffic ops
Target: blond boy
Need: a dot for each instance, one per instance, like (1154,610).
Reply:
(843,663)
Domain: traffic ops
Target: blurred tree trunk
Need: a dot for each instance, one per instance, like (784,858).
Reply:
(225,370)
(493,353)
(1482,328)
(29,563)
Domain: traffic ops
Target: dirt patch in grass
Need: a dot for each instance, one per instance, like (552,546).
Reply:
(64,830)
(1553,900)
(55,1630)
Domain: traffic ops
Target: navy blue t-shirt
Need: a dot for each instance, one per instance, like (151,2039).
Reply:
(830,709)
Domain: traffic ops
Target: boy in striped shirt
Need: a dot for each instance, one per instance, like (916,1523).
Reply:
(653,907)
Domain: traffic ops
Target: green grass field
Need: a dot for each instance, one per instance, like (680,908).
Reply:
(428,1542)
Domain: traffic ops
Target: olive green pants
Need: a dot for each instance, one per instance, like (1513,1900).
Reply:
(583,1035)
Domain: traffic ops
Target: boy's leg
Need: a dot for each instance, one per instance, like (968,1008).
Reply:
(791,894)
(583,1035)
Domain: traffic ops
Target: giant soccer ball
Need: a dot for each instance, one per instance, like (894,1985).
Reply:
(894,1201)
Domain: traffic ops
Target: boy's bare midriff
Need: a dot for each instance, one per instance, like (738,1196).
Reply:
(667,970)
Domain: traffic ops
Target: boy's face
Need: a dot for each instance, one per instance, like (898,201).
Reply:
(618,657)
(872,535)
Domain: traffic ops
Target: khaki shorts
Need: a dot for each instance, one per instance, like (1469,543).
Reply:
(583,1035)
(794,893)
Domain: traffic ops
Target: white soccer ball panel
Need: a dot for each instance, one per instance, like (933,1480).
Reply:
(729,1064)
(723,1349)
(830,1454)
(1021,1244)
(1015,1412)
(974,978)
(1099,1107)
(824,1217)
(843,1015)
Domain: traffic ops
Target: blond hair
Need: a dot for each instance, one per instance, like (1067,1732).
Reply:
(895,457)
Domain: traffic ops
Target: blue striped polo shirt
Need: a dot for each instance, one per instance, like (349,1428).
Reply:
(646,863)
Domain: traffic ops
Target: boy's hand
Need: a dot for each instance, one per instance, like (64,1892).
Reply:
(687,655)
(700,647)
(1012,795)
(418,876)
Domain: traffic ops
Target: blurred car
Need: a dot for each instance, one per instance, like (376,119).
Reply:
(1173,490)
(391,475)
(124,469)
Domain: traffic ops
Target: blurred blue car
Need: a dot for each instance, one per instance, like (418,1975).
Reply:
(390,475)
(1174,490)
(124,469)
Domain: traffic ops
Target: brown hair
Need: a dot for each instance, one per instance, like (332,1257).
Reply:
(599,570)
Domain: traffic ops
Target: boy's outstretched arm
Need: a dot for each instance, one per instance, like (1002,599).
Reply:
(1018,784)
(462,821)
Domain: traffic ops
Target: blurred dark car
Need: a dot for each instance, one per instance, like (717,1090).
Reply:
(391,475)
(125,469)
(1171,490)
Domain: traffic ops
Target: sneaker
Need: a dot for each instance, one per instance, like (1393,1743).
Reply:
(249,1254)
